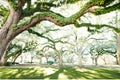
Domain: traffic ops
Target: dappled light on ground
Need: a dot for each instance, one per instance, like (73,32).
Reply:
(59,73)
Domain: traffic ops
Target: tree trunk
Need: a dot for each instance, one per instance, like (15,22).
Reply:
(15,57)
(40,61)
(7,33)
(93,60)
(118,49)
(80,59)
(3,46)
(5,60)
(96,61)
(21,61)
(60,59)
(104,61)
(31,59)
(5,38)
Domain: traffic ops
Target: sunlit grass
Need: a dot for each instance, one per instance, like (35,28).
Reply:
(59,73)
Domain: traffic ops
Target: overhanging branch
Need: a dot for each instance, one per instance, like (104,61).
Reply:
(57,18)
(105,10)
(97,26)
(44,6)
(40,35)
(49,39)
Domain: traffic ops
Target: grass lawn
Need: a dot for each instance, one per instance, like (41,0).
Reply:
(59,73)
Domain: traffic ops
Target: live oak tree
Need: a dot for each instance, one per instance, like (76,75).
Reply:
(100,47)
(51,44)
(79,45)
(19,15)
(15,50)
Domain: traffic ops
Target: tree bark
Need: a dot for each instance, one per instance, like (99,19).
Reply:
(118,49)
(6,33)
(4,43)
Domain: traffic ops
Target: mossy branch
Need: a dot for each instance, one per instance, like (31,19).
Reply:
(42,6)
(3,11)
(57,18)
(49,39)
(97,26)
(18,51)
(105,10)
(40,35)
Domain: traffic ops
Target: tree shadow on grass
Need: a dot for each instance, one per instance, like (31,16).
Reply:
(55,75)
(20,73)
(86,73)
(107,73)
(69,72)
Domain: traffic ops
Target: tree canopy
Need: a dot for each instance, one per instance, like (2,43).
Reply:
(19,15)
(28,8)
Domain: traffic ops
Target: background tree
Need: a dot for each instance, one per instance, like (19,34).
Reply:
(100,48)
(79,44)
(117,22)
(52,44)
(15,50)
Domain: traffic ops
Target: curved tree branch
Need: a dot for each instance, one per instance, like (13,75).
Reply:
(55,18)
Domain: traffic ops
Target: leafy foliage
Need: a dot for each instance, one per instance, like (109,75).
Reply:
(101,48)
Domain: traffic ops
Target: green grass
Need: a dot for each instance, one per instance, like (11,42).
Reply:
(59,73)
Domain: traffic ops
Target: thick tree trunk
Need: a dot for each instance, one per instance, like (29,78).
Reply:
(6,34)
(5,61)
(4,43)
(118,49)
(3,46)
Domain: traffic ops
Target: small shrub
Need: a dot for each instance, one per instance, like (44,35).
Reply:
(10,63)
(50,62)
